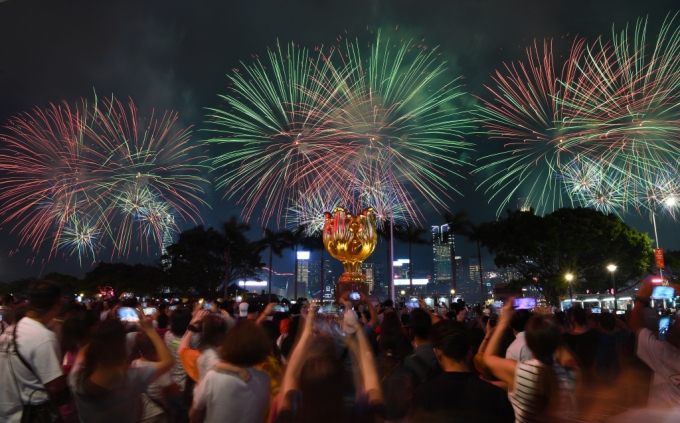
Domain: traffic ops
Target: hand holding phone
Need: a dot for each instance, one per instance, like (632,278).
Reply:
(127,314)
(355,296)
(664,323)
(524,303)
(149,311)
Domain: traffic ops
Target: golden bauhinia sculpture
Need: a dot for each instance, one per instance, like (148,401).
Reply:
(350,239)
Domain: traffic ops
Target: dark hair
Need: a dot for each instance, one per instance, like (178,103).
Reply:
(246,344)
(579,314)
(294,309)
(289,341)
(519,320)
(607,321)
(388,303)
(543,338)
(107,347)
(405,319)
(145,346)
(420,323)
(76,330)
(322,398)
(162,321)
(7,300)
(214,331)
(179,322)
(42,296)
(452,339)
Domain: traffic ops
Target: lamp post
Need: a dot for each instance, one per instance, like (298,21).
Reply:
(612,268)
(453,292)
(569,277)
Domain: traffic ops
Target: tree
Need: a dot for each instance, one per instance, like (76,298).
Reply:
(577,241)
(235,238)
(384,233)
(276,242)
(474,234)
(142,279)
(202,259)
(458,225)
(412,236)
(295,238)
(314,242)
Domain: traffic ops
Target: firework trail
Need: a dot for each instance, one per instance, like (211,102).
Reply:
(76,178)
(277,133)
(151,162)
(525,112)
(301,124)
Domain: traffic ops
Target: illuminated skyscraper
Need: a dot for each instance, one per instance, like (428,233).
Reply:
(368,270)
(442,246)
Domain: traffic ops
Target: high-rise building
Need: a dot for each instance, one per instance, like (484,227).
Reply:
(314,279)
(380,278)
(328,281)
(442,245)
(302,276)
(474,269)
(368,270)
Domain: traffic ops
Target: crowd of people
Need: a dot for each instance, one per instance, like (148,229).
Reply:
(124,360)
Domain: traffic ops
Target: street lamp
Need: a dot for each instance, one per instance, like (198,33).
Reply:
(453,292)
(569,277)
(612,268)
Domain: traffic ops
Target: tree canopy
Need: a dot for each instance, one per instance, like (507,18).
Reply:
(578,241)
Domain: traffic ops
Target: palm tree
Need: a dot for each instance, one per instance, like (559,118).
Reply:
(384,233)
(457,226)
(295,238)
(234,235)
(474,234)
(411,235)
(314,242)
(276,242)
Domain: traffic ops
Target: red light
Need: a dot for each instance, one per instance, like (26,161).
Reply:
(657,280)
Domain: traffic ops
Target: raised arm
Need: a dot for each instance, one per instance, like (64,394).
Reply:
(297,360)
(165,358)
(374,314)
(502,368)
(434,317)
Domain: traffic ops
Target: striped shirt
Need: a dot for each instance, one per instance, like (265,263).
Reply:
(526,398)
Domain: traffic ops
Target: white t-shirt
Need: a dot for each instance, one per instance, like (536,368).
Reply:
(664,359)
(518,350)
(206,361)
(39,348)
(247,401)
(155,391)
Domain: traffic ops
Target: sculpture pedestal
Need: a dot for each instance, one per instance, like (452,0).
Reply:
(341,288)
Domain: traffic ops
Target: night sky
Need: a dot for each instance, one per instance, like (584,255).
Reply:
(174,55)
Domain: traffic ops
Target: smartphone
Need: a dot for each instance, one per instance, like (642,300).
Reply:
(596,310)
(663,293)
(279,308)
(526,303)
(354,296)
(172,307)
(143,303)
(127,314)
(664,322)
(128,295)
(412,304)
(148,311)
(207,305)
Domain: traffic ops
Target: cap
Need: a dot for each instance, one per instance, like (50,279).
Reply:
(348,321)
(243,309)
